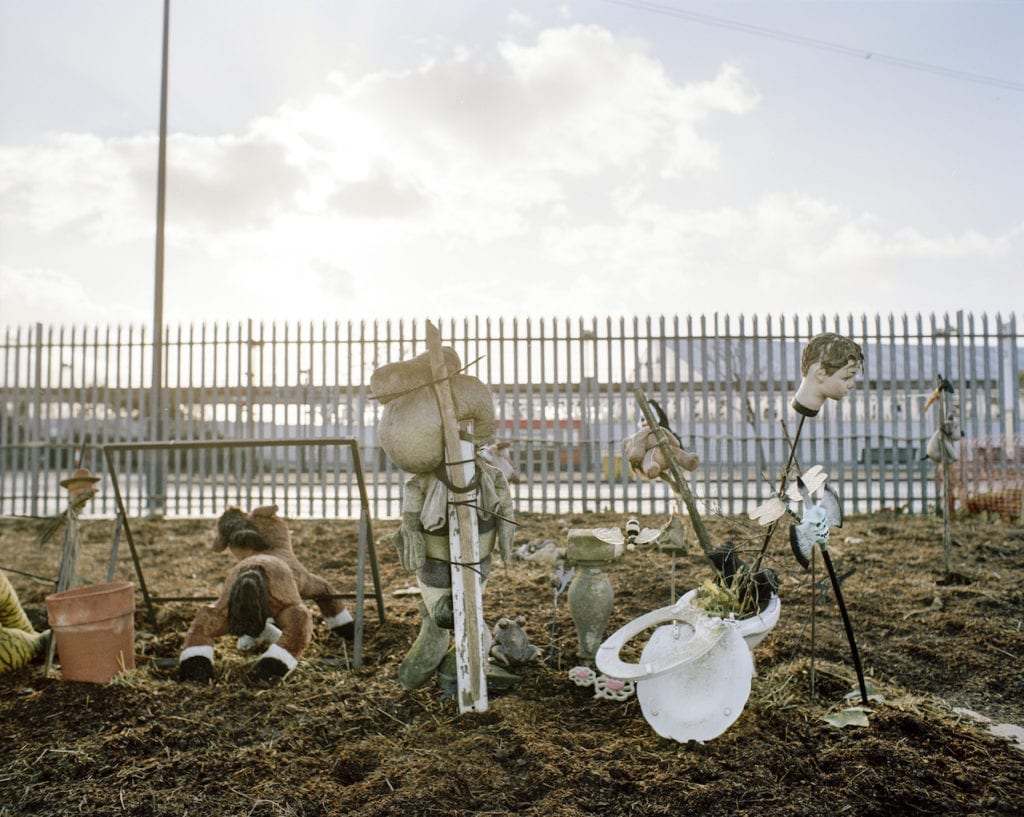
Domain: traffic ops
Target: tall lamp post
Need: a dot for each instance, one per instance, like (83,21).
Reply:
(158,476)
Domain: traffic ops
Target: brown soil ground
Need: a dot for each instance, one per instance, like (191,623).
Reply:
(330,740)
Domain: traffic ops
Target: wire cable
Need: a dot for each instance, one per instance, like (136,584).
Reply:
(822,45)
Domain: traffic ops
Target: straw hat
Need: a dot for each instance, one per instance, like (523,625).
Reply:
(81,478)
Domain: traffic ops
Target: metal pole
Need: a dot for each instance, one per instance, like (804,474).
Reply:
(158,482)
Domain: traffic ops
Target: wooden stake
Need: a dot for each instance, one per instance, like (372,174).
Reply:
(464,539)
(678,477)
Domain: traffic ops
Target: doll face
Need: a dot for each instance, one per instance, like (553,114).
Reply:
(838,384)
(817,386)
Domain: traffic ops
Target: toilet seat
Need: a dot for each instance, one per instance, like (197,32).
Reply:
(701,635)
(706,632)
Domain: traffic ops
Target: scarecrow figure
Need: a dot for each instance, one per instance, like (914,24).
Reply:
(81,487)
(411,433)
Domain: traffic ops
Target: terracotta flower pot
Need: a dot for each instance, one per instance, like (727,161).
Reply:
(94,628)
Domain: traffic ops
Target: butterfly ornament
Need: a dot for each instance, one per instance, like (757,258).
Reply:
(819,516)
(775,508)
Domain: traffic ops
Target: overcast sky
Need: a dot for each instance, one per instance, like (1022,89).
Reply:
(365,160)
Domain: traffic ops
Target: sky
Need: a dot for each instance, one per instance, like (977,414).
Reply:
(363,161)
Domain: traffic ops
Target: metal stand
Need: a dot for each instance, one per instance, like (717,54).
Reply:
(366,545)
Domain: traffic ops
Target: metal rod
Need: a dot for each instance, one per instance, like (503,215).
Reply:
(123,514)
(112,564)
(357,637)
(782,489)
(846,624)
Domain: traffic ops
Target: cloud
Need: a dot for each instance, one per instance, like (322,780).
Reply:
(77,182)
(380,195)
(57,298)
(786,252)
(228,182)
(546,173)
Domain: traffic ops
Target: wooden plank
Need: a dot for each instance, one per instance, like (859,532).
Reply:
(464,540)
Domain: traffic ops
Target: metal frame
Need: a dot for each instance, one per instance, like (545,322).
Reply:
(366,545)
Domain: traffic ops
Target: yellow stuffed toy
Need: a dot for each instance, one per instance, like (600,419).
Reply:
(19,641)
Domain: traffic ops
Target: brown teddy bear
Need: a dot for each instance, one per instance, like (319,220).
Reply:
(262,598)
(646,458)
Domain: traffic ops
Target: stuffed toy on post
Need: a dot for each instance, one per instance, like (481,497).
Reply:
(262,599)
(411,433)
(647,459)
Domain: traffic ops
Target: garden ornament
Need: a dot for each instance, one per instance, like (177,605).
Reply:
(675,476)
(632,530)
(610,689)
(81,482)
(423,546)
(591,595)
(669,539)
(813,530)
(943,448)
(647,459)
(818,517)
(499,454)
(590,603)
(81,488)
(944,444)
(410,429)
(942,387)
(773,509)
(510,644)
(547,553)
(829,364)
(457,509)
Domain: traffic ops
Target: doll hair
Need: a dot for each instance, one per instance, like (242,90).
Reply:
(832,351)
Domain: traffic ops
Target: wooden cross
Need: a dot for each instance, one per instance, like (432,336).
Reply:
(464,538)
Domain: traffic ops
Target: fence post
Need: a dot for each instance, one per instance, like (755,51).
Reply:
(34,453)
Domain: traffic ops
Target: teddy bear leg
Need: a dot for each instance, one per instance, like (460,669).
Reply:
(196,660)
(334,611)
(342,624)
(282,657)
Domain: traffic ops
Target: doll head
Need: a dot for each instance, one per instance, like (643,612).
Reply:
(829,365)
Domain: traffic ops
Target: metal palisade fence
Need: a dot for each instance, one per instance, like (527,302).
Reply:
(564,394)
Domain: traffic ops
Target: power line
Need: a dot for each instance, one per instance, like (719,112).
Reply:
(822,45)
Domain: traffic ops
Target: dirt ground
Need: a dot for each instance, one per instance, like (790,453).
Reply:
(330,740)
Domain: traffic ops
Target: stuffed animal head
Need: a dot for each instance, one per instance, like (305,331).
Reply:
(259,530)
